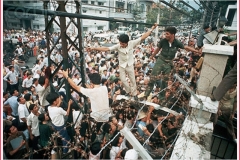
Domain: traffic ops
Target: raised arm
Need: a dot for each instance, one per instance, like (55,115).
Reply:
(104,49)
(145,35)
(70,81)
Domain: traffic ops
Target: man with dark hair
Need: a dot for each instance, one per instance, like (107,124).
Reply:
(43,90)
(13,103)
(206,29)
(36,67)
(12,78)
(168,46)
(56,113)
(17,144)
(27,82)
(126,59)
(94,151)
(97,94)
(23,113)
(33,126)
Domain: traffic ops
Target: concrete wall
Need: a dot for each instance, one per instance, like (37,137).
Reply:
(213,67)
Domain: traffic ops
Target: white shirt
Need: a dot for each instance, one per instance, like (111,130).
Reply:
(36,68)
(77,81)
(53,57)
(40,55)
(113,152)
(33,121)
(42,93)
(126,57)
(45,61)
(75,115)
(19,50)
(57,115)
(99,102)
(12,77)
(27,82)
(22,111)
(59,58)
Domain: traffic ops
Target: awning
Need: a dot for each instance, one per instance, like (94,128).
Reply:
(103,1)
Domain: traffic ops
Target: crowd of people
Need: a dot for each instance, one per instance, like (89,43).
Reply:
(41,120)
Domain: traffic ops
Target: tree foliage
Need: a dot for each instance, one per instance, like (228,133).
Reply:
(167,16)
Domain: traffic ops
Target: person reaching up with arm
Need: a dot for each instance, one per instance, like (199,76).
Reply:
(125,50)
(97,94)
(168,46)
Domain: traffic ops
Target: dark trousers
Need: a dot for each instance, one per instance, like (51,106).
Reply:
(14,87)
(226,113)
(63,132)
(160,66)
(35,147)
(226,83)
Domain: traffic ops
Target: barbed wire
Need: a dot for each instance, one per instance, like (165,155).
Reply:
(159,123)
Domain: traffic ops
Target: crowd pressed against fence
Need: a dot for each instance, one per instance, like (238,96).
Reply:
(39,123)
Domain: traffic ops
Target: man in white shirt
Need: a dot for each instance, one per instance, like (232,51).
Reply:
(40,55)
(59,57)
(12,78)
(98,96)
(53,57)
(45,61)
(43,91)
(19,50)
(72,53)
(23,113)
(56,113)
(126,59)
(36,67)
(77,79)
(27,83)
(33,125)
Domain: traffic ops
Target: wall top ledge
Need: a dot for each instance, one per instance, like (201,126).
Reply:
(208,104)
(218,49)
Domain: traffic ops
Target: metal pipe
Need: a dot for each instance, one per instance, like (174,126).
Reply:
(168,4)
(26,10)
(64,45)
(186,4)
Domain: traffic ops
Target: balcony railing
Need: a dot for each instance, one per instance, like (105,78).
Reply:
(223,148)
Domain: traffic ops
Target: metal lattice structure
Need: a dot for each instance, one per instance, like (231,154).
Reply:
(66,41)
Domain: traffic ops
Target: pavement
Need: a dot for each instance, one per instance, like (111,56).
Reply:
(31,62)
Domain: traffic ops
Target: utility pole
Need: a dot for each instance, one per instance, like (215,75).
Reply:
(214,6)
(156,30)
(205,13)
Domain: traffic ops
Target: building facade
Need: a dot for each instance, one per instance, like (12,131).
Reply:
(231,15)
(130,10)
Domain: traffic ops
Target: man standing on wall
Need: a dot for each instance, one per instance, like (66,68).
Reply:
(125,50)
(168,46)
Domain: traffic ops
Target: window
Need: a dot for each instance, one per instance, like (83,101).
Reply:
(100,3)
(85,28)
(142,8)
(100,27)
(119,7)
(85,1)
(129,8)
(100,12)
(92,2)
(230,16)
(36,26)
(14,24)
